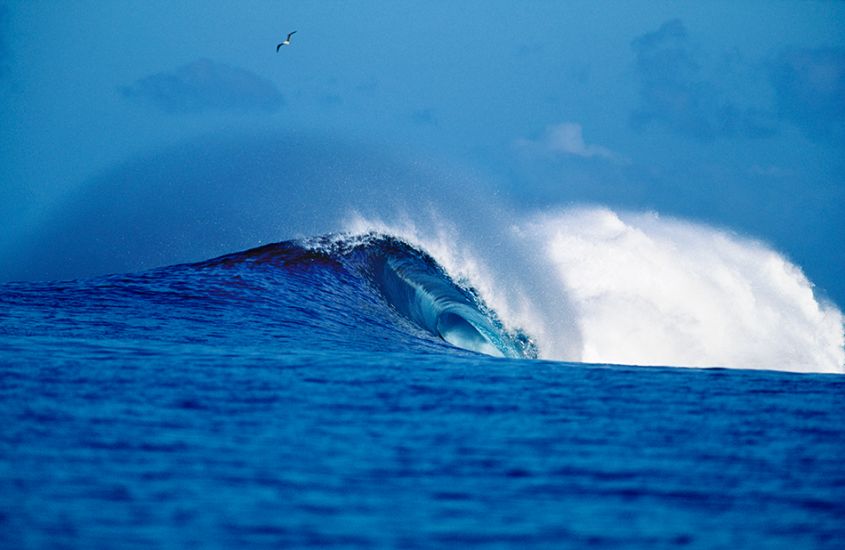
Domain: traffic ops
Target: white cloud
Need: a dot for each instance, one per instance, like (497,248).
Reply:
(567,138)
(206,85)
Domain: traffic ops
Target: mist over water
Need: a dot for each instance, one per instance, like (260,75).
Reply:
(223,194)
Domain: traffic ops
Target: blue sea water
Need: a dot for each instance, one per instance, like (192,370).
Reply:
(348,393)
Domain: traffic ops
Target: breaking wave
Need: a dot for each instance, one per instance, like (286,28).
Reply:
(594,285)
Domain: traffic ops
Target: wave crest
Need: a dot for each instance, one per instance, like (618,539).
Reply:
(402,279)
(419,289)
(595,285)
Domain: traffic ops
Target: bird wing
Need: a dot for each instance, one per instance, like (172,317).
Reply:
(291,34)
(277,48)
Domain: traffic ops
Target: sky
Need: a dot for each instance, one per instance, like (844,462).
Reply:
(729,114)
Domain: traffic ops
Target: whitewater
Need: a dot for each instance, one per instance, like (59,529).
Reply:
(591,284)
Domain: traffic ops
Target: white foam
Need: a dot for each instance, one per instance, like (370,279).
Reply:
(650,290)
(591,284)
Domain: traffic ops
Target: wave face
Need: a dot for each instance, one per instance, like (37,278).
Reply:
(329,294)
(419,289)
(374,287)
(594,285)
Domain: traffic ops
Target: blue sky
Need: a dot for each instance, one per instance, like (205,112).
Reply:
(728,113)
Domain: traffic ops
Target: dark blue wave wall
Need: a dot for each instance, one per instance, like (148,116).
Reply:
(334,294)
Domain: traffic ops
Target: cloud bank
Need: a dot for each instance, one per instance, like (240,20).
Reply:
(675,94)
(567,138)
(204,86)
(809,88)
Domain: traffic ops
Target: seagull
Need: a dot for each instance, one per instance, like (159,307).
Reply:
(286,41)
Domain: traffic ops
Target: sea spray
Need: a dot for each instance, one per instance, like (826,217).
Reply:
(653,290)
(638,288)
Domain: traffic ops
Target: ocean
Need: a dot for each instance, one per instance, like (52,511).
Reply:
(354,391)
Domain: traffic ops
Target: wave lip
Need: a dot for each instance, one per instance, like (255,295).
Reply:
(415,286)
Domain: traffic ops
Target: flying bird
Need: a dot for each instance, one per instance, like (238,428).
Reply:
(286,41)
